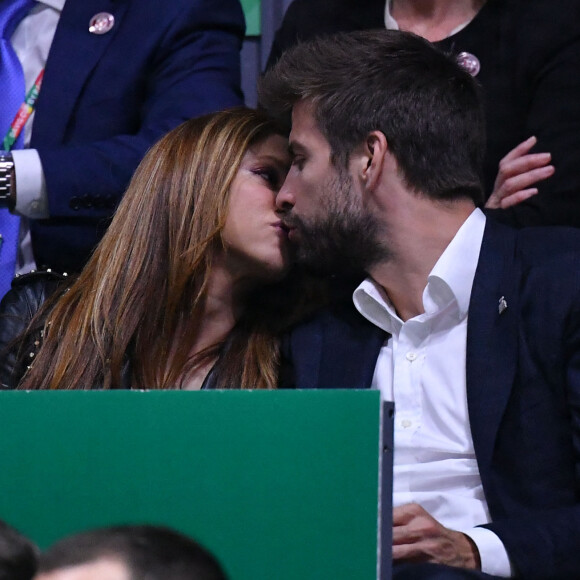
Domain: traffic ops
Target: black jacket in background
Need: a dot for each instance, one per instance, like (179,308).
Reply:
(529,52)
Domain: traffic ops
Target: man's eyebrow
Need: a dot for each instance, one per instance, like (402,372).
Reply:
(294,148)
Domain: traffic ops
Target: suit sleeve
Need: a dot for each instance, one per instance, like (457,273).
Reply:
(543,543)
(145,88)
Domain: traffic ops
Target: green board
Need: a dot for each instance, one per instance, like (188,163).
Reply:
(277,484)
(252,11)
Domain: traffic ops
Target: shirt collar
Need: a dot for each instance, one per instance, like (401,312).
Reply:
(450,280)
(390,22)
(56,4)
(373,303)
(456,266)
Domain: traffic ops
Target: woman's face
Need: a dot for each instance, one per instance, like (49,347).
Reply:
(256,241)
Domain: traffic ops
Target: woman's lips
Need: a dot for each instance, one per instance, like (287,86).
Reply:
(282,228)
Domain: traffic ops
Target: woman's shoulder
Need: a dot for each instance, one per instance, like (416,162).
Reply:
(29,291)
(17,309)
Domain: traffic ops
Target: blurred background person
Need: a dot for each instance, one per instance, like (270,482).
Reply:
(110,78)
(184,289)
(526,56)
(18,555)
(130,552)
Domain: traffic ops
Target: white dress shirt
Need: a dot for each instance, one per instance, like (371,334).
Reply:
(31,42)
(421,367)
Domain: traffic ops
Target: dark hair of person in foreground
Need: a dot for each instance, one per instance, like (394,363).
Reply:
(18,555)
(148,552)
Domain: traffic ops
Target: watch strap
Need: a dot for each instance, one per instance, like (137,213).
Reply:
(7,185)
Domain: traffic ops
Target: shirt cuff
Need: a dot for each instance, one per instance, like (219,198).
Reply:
(31,197)
(492,553)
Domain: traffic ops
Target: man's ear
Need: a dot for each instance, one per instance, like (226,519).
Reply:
(374,151)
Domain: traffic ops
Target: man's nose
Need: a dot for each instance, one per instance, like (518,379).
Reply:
(285,198)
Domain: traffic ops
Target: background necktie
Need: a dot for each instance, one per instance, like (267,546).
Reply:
(12,93)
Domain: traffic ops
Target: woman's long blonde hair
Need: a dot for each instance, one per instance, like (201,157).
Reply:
(144,286)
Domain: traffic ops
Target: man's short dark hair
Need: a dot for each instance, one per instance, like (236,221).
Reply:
(426,105)
(18,555)
(152,552)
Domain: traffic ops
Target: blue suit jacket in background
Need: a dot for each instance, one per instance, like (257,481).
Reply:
(523,387)
(106,98)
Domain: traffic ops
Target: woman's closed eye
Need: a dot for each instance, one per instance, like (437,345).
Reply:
(271,175)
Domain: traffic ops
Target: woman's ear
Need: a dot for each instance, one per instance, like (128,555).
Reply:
(371,158)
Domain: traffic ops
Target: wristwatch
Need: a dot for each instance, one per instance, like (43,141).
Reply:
(7,182)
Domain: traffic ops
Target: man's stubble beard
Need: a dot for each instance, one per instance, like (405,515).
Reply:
(344,238)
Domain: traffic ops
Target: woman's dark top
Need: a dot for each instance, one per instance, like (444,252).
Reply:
(17,309)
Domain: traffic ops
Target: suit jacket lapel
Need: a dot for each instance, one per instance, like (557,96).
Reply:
(350,351)
(492,340)
(73,55)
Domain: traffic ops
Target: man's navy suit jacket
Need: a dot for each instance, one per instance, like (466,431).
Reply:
(106,98)
(523,387)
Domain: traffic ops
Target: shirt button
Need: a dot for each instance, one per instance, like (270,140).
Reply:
(411,356)
(405,423)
